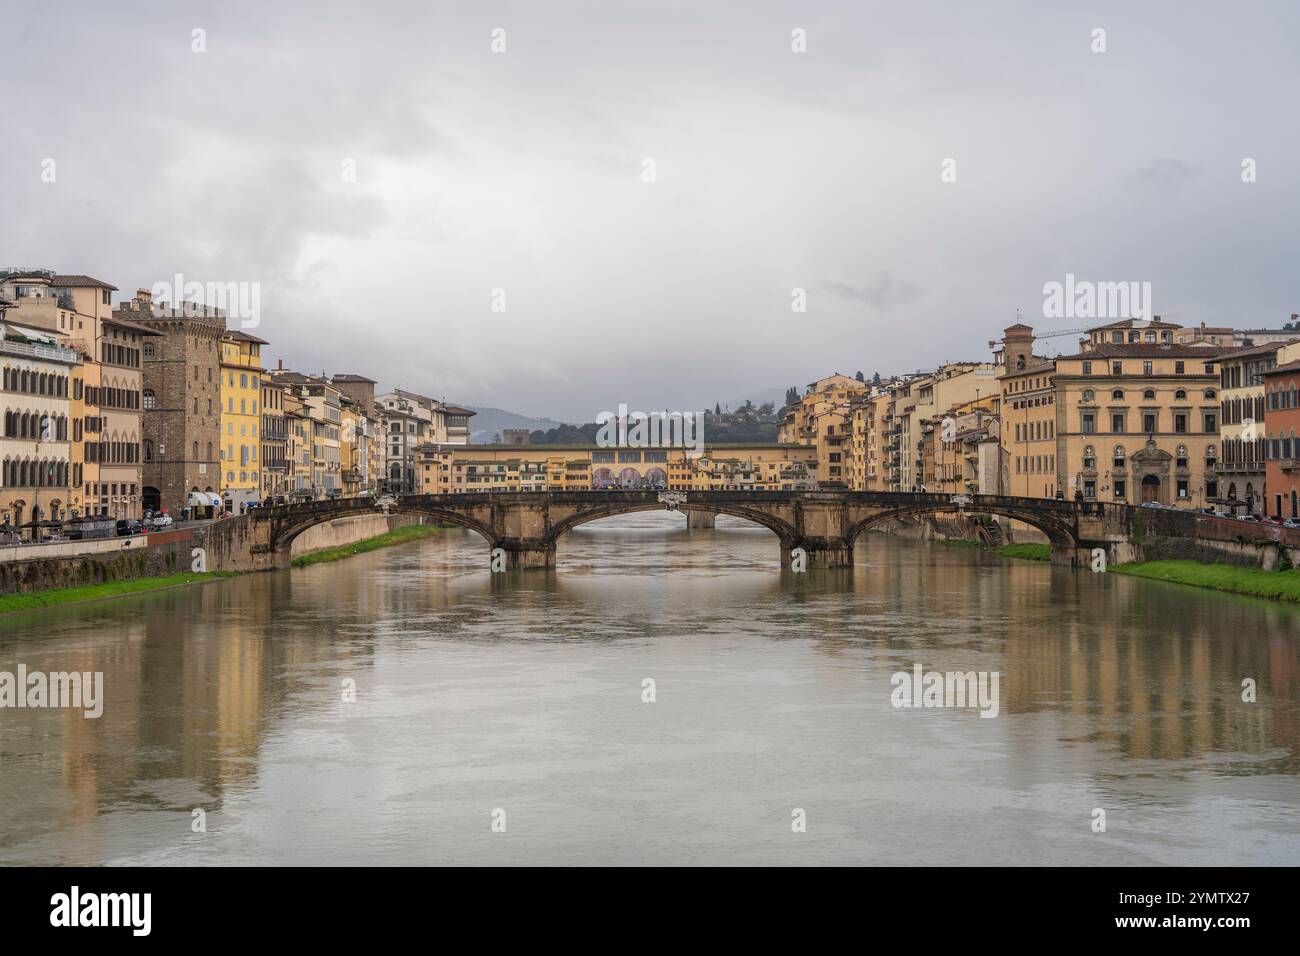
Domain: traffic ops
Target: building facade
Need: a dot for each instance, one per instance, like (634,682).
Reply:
(241,420)
(1243,442)
(181,402)
(35,448)
(1282,431)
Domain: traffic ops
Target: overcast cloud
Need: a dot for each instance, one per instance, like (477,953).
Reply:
(774,170)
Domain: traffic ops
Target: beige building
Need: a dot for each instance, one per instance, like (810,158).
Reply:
(1137,421)
(35,450)
(1242,458)
(822,419)
(107,390)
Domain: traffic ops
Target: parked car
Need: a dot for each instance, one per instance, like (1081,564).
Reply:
(158,520)
(1270,520)
(1246,517)
(129,526)
(86,528)
(1291,523)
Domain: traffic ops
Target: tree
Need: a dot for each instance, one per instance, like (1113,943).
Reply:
(717,408)
(792,395)
(860,377)
(875,379)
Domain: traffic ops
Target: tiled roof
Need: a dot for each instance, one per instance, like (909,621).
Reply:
(133,326)
(1250,350)
(1288,367)
(1148,350)
(235,335)
(80,282)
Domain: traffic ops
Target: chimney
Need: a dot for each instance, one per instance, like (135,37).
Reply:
(279,365)
(144,295)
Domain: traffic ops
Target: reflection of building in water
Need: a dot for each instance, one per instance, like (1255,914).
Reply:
(1161,681)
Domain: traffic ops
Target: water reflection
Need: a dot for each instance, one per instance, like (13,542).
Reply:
(475,691)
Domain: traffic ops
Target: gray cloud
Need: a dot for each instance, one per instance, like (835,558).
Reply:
(522,171)
(883,291)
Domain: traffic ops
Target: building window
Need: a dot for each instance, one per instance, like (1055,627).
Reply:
(1146,368)
(1117,424)
(1087,368)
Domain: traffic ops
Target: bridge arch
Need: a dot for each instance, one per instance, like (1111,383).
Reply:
(284,534)
(1060,533)
(782,529)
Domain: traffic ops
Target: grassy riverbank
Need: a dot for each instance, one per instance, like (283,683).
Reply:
(1027,552)
(1256,582)
(397,536)
(99,592)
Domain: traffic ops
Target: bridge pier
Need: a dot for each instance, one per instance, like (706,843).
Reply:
(528,556)
(700,520)
(817,554)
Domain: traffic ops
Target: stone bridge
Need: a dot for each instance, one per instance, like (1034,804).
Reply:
(824,524)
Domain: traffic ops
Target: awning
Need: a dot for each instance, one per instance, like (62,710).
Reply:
(198,499)
(215,499)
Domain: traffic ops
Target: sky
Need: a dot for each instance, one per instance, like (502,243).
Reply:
(618,202)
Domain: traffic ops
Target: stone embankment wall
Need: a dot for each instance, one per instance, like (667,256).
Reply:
(224,545)
(1159,535)
(336,534)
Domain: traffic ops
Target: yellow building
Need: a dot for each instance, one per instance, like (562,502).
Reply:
(457,469)
(351,430)
(1029,417)
(241,398)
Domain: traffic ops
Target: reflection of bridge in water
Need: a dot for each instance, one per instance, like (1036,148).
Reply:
(825,524)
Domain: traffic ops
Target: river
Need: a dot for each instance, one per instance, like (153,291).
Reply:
(507,719)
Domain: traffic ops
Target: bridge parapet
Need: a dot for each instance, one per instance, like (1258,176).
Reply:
(825,524)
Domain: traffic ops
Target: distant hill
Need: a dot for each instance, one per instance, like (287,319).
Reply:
(490,421)
(774,395)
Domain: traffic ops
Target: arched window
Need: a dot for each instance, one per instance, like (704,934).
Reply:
(1088,395)
(1209,393)
(1149,395)
(1117,394)
(149,400)
(1180,396)
(1120,458)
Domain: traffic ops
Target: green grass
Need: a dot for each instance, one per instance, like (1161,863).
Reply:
(959,543)
(1256,582)
(411,532)
(1027,552)
(99,592)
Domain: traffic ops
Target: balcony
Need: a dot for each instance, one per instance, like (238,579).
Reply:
(50,353)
